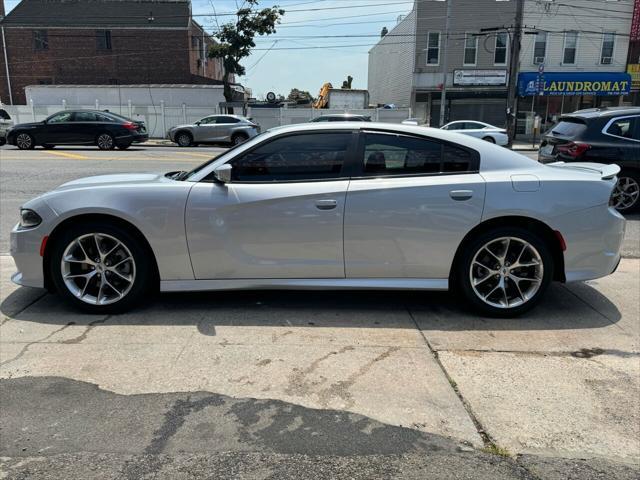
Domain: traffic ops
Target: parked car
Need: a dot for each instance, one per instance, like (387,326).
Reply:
(214,129)
(330,206)
(480,130)
(609,135)
(5,124)
(79,127)
(342,117)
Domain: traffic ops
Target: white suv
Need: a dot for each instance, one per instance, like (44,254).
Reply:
(5,124)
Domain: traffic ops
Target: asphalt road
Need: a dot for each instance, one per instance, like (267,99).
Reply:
(290,385)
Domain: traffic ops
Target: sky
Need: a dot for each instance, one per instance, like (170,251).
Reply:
(307,69)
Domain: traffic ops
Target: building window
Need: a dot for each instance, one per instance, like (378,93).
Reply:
(540,48)
(433,48)
(500,53)
(41,39)
(103,39)
(570,48)
(608,44)
(470,49)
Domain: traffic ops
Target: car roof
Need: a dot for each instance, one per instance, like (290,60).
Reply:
(605,112)
(341,115)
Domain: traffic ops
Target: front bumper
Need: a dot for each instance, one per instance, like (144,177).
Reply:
(594,239)
(25,250)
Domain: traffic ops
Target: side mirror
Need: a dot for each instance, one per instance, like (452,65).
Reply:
(223,173)
(197,123)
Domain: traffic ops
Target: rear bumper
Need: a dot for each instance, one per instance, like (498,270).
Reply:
(594,239)
(134,138)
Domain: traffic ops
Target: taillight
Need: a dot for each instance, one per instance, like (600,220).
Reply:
(573,149)
(130,126)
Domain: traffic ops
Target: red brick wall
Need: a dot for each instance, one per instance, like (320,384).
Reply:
(136,57)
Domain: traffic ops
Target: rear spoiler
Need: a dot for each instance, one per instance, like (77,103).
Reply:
(607,172)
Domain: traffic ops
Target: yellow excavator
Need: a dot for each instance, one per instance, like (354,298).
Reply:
(323,97)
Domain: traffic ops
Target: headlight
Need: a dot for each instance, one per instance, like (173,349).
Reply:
(29,218)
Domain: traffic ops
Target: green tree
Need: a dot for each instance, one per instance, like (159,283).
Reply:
(236,39)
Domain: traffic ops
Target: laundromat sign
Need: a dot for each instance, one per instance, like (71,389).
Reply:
(583,83)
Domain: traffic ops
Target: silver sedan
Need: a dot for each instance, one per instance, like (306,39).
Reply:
(328,206)
(232,129)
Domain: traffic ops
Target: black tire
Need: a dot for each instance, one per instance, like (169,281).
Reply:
(238,138)
(489,139)
(25,141)
(123,146)
(143,280)
(48,146)
(631,180)
(105,141)
(462,273)
(184,139)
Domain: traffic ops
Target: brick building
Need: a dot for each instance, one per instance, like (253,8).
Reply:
(97,42)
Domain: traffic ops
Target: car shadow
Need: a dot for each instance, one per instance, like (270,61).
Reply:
(582,307)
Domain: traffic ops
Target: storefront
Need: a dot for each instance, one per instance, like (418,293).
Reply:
(471,94)
(550,94)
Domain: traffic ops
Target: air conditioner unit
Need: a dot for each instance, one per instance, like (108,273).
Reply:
(538,60)
(606,61)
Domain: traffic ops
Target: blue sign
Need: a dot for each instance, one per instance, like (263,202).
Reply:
(581,83)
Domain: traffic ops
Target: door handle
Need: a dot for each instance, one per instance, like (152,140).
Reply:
(461,195)
(326,204)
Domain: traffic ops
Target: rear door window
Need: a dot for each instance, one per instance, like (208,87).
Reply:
(227,120)
(626,127)
(390,154)
(84,117)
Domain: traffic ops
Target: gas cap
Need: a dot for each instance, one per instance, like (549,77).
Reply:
(525,183)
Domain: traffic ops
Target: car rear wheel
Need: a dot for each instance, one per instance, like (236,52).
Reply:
(626,195)
(105,141)
(24,141)
(489,139)
(184,139)
(100,268)
(505,272)
(238,138)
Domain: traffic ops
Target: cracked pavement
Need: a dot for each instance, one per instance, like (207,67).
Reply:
(320,384)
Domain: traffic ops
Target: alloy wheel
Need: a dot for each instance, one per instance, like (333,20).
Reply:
(625,194)
(24,141)
(105,141)
(184,140)
(506,272)
(98,269)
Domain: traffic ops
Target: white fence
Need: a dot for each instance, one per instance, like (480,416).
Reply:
(159,118)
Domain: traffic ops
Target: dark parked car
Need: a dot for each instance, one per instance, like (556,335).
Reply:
(607,135)
(79,127)
(342,117)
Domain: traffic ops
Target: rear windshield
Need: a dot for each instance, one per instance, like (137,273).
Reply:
(569,127)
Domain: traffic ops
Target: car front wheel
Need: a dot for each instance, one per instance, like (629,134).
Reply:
(100,268)
(505,272)
(184,139)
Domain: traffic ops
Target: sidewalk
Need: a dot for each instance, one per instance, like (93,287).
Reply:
(524,146)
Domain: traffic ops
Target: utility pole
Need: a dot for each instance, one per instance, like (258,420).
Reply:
(514,67)
(6,66)
(443,95)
